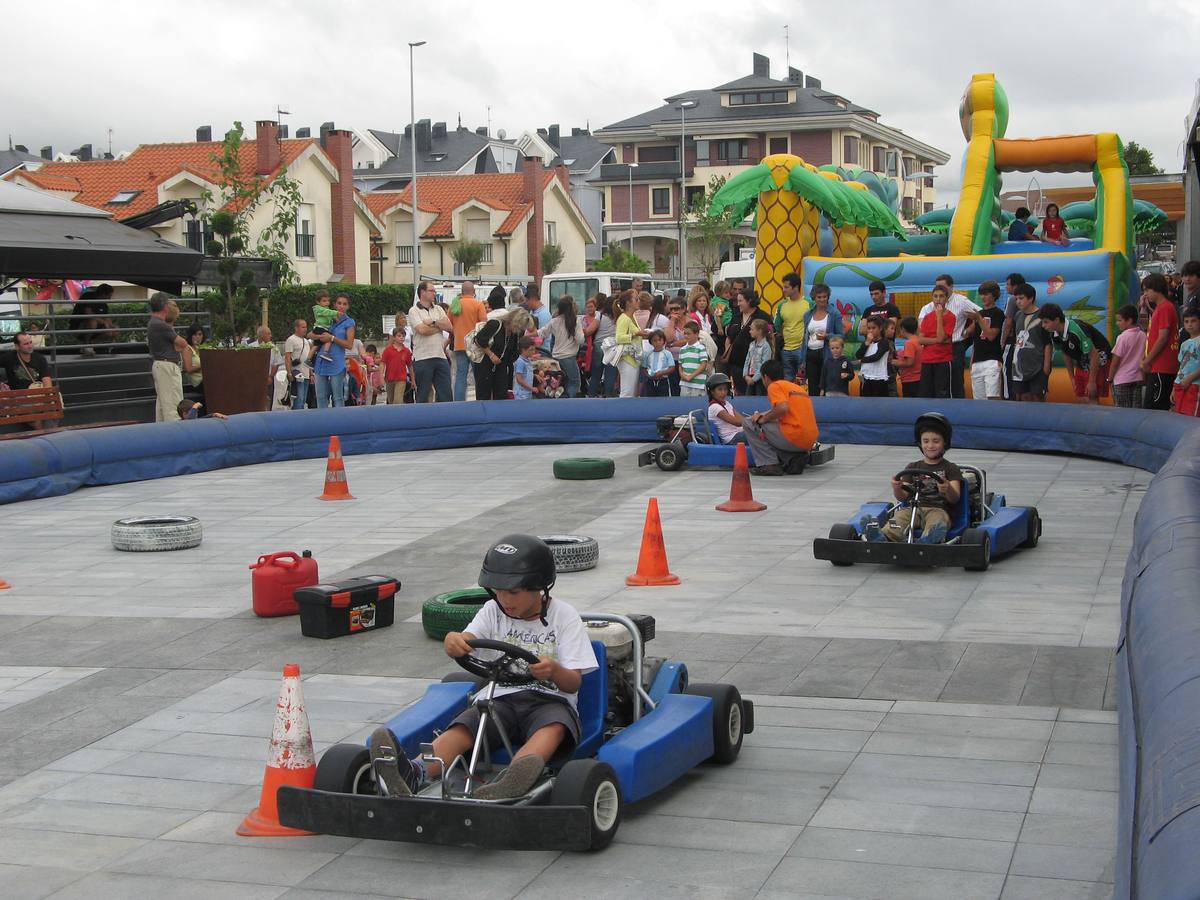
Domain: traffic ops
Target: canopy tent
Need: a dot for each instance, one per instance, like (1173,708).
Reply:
(42,236)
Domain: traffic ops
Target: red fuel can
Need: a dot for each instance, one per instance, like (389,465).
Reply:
(275,579)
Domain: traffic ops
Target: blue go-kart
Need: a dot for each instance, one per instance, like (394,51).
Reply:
(691,440)
(643,726)
(982,526)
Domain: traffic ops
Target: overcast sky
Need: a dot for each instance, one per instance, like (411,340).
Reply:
(153,72)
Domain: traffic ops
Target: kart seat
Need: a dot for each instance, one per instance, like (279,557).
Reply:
(960,521)
(705,433)
(593,704)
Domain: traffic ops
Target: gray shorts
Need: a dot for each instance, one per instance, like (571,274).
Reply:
(523,713)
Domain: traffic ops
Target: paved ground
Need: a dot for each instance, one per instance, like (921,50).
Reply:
(921,734)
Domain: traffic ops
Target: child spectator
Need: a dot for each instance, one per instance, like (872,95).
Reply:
(659,365)
(323,316)
(524,380)
(889,332)
(936,331)
(1187,391)
(1124,368)
(931,500)
(759,353)
(397,359)
(694,363)
(724,418)
(908,359)
(1085,351)
(873,354)
(1161,364)
(374,375)
(984,330)
(838,371)
(1032,350)
(1019,230)
(1054,229)
(194,409)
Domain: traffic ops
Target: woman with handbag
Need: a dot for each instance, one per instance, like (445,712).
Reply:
(629,341)
(495,343)
(604,371)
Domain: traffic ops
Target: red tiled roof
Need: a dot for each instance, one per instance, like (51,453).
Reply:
(98,181)
(446,193)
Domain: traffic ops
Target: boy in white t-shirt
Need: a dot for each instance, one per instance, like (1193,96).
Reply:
(726,420)
(518,571)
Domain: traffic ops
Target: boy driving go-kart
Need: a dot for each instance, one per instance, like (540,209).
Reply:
(518,571)
(925,491)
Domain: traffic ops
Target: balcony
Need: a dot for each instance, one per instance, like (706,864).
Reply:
(656,171)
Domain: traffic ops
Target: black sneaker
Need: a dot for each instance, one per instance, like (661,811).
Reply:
(396,773)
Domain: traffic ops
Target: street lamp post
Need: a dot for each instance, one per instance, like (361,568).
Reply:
(412,143)
(683,108)
(630,167)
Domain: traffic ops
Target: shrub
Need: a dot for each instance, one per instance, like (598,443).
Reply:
(369,303)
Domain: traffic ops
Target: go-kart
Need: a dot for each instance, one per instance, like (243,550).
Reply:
(982,526)
(643,726)
(691,440)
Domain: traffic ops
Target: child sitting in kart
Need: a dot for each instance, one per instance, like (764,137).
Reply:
(725,420)
(930,487)
(518,571)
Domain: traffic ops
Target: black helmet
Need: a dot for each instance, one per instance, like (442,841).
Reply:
(518,562)
(933,421)
(717,379)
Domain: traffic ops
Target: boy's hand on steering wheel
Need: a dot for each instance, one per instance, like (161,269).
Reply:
(944,488)
(544,669)
(456,645)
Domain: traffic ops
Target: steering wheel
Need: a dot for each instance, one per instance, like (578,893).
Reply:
(913,480)
(511,667)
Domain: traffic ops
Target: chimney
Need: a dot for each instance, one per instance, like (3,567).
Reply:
(579,132)
(810,82)
(439,131)
(204,133)
(47,153)
(424,136)
(326,127)
(553,139)
(283,132)
(564,176)
(22,148)
(266,145)
(339,149)
(408,131)
(542,132)
(84,153)
(795,76)
(481,131)
(535,228)
(304,132)
(762,66)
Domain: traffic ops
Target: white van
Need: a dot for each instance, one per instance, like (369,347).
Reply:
(582,285)
(737,268)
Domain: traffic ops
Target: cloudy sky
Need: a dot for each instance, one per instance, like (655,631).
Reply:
(153,72)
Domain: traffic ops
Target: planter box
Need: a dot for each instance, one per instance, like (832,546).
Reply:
(235,381)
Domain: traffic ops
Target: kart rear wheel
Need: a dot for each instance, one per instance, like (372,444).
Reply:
(591,784)
(671,457)
(1035,529)
(728,720)
(346,769)
(843,531)
(979,538)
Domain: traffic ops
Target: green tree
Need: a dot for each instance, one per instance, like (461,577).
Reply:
(552,257)
(468,254)
(617,259)
(1140,160)
(705,232)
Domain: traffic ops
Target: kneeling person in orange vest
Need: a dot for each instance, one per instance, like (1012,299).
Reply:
(788,427)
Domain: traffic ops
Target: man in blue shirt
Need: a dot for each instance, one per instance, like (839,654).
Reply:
(331,373)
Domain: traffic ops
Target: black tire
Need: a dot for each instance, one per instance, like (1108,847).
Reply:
(584,468)
(572,552)
(346,769)
(451,611)
(594,785)
(145,534)
(728,720)
(671,457)
(1035,529)
(979,537)
(843,531)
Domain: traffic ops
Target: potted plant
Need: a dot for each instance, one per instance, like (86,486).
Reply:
(235,378)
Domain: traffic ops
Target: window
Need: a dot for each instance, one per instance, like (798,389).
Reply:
(928,207)
(404,255)
(892,158)
(306,239)
(661,201)
(849,151)
(877,159)
(694,198)
(197,236)
(551,233)
(910,167)
(733,151)
(577,289)
(658,154)
(757,98)
(778,145)
(123,197)
(702,153)
(487,253)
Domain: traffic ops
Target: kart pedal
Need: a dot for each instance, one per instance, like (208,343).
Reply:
(426,750)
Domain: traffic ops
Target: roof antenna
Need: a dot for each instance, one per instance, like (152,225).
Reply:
(787,55)
(110,142)
(460,121)
(489,120)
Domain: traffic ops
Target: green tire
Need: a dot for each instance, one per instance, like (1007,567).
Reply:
(584,468)
(451,611)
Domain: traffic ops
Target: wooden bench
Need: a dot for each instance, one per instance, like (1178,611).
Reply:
(39,404)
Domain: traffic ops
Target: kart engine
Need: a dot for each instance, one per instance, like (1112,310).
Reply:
(618,643)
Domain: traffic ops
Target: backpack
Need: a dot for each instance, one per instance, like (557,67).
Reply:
(473,350)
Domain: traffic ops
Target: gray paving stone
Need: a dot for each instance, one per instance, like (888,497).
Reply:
(1020,887)
(116,886)
(555,883)
(1073,801)
(920,850)
(242,864)
(911,818)
(957,747)
(34,882)
(1061,775)
(966,726)
(406,878)
(1072,863)
(96,818)
(832,680)
(84,852)
(807,717)
(651,829)
(1069,831)
(856,879)
(958,794)
(894,683)
(980,771)
(161,792)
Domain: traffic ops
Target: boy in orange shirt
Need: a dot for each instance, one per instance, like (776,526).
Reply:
(788,427)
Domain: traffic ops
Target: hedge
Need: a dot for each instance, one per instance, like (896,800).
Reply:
(369,303)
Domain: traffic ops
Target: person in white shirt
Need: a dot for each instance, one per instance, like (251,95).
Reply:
(430,326)
(963,310)
(296,353)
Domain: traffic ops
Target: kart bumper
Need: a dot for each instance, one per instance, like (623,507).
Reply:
(888,553)
(823,454)
(427,821)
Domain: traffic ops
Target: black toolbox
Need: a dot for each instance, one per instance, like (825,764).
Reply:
(347,607)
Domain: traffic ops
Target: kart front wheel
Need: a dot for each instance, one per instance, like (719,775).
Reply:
(346,769)
(671,457)
(1035,529)
(729,725)
(843,531)
(593,785)
(977,537)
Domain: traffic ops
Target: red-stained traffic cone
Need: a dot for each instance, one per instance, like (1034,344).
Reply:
(336,485)
(741,498)
(4,585)
(289,762)
(652,560)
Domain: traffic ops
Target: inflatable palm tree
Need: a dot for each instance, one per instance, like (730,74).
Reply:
(789,197)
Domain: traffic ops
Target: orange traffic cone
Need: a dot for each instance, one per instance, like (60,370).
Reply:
(741,498)
(290,760)
(652,560)
(336,485)
(4,585)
